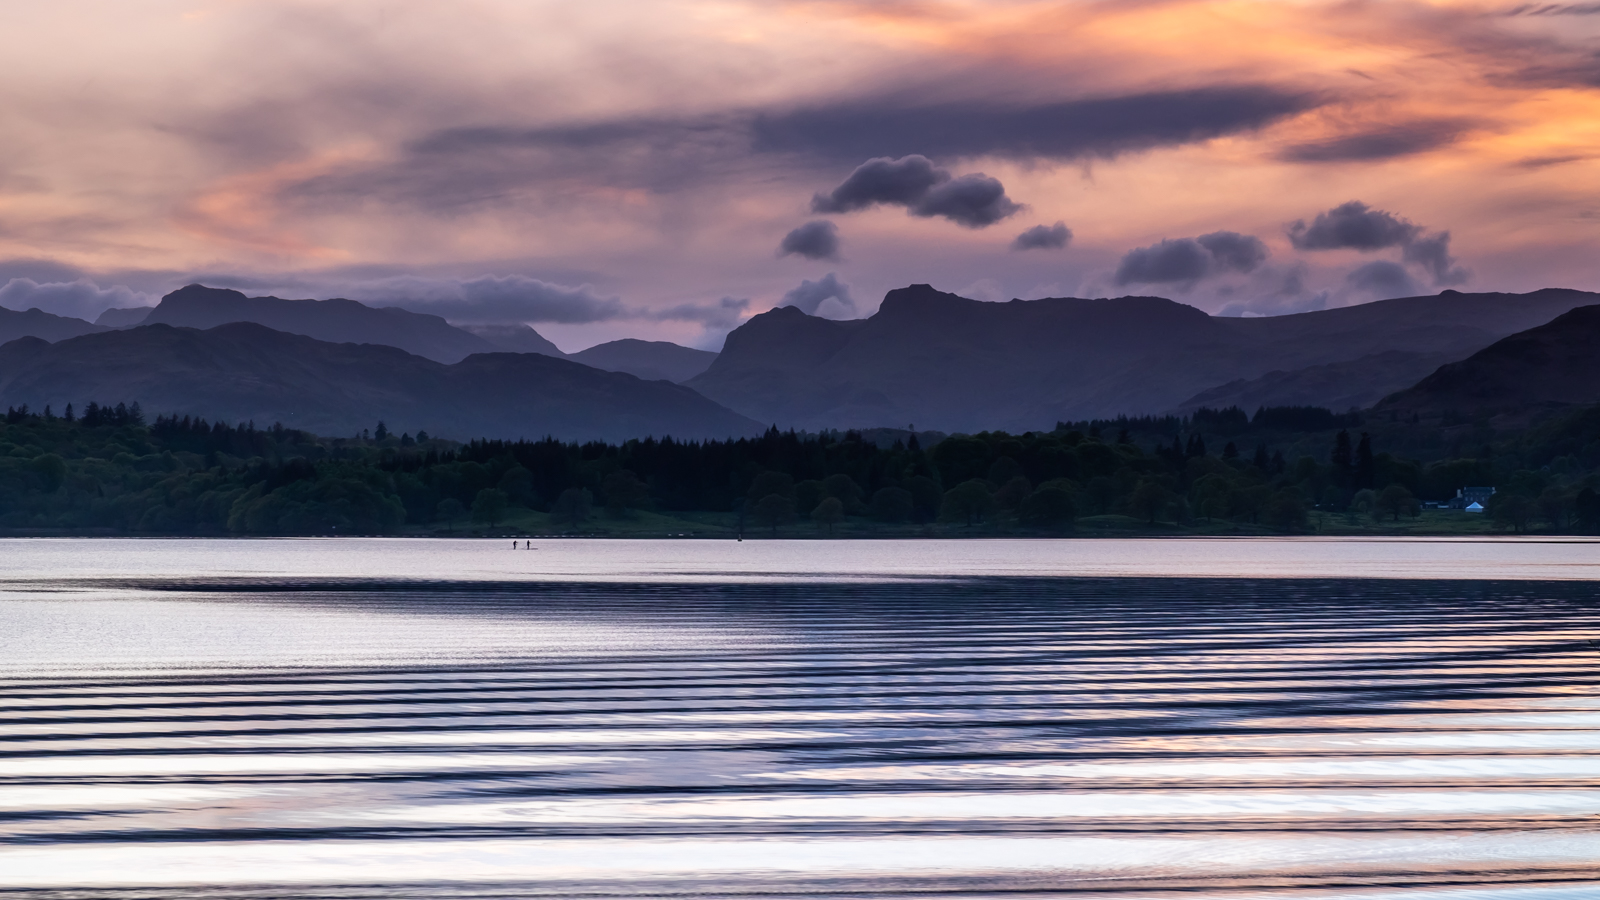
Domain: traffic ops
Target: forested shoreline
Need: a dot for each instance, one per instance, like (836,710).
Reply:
(104,470)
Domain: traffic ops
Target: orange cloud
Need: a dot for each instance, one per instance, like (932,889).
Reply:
(242,211)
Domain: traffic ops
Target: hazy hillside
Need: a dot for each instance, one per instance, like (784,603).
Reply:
(650,360)
(1552,365)
(940,361)
(1356,384)
(244,371)
(197,306)
(40,324)
(515,339)
(124,317)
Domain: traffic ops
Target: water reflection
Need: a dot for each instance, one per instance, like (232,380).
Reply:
(236,734)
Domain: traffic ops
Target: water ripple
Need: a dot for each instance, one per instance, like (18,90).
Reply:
(356,737)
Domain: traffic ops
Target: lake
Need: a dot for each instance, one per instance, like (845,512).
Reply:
(1246,718)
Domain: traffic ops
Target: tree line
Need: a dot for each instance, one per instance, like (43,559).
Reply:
(106,470)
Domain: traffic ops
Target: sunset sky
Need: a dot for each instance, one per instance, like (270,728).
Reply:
(608,169)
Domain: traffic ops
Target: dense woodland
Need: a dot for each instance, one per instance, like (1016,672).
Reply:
(108,470)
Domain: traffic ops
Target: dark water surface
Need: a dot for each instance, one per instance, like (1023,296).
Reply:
(351,719)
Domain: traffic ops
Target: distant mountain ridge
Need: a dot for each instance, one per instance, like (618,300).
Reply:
(40,324)
(243,371)
(337,320)
(341,321)
(650,360)
(940,361)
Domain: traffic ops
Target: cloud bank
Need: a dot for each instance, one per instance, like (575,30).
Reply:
(491,299)
(1191,259)
(1357,226)
(825,297)
(81,299)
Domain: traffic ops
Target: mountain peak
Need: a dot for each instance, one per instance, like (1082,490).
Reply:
(919,298)
(338,321)
(200,291)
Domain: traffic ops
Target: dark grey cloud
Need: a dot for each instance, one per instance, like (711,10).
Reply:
(1432,255)
(1381,143)
(1044,237)
(1191,259)
(1164,263)
(80,299)
(900,182)
(1233,251)
(1101,127)
(491,299)
(825,297)
(813,240)
(455,169)
(1354,226)
(724,315)
(1383,280)
(972,201)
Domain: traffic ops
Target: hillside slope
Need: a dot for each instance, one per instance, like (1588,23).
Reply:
(1356,384)
(1552,365)
(650,360)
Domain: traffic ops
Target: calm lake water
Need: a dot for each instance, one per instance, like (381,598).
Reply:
(417,719)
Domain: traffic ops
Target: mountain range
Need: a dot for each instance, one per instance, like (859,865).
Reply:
(40,324)
(926,358)
(941,361)
(347,321)
(338,321)
(243,371)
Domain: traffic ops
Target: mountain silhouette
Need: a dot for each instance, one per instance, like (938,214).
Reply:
(950,363)
(650,360)
(244,371)
(339,321)
(1553,365)
(40,324)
